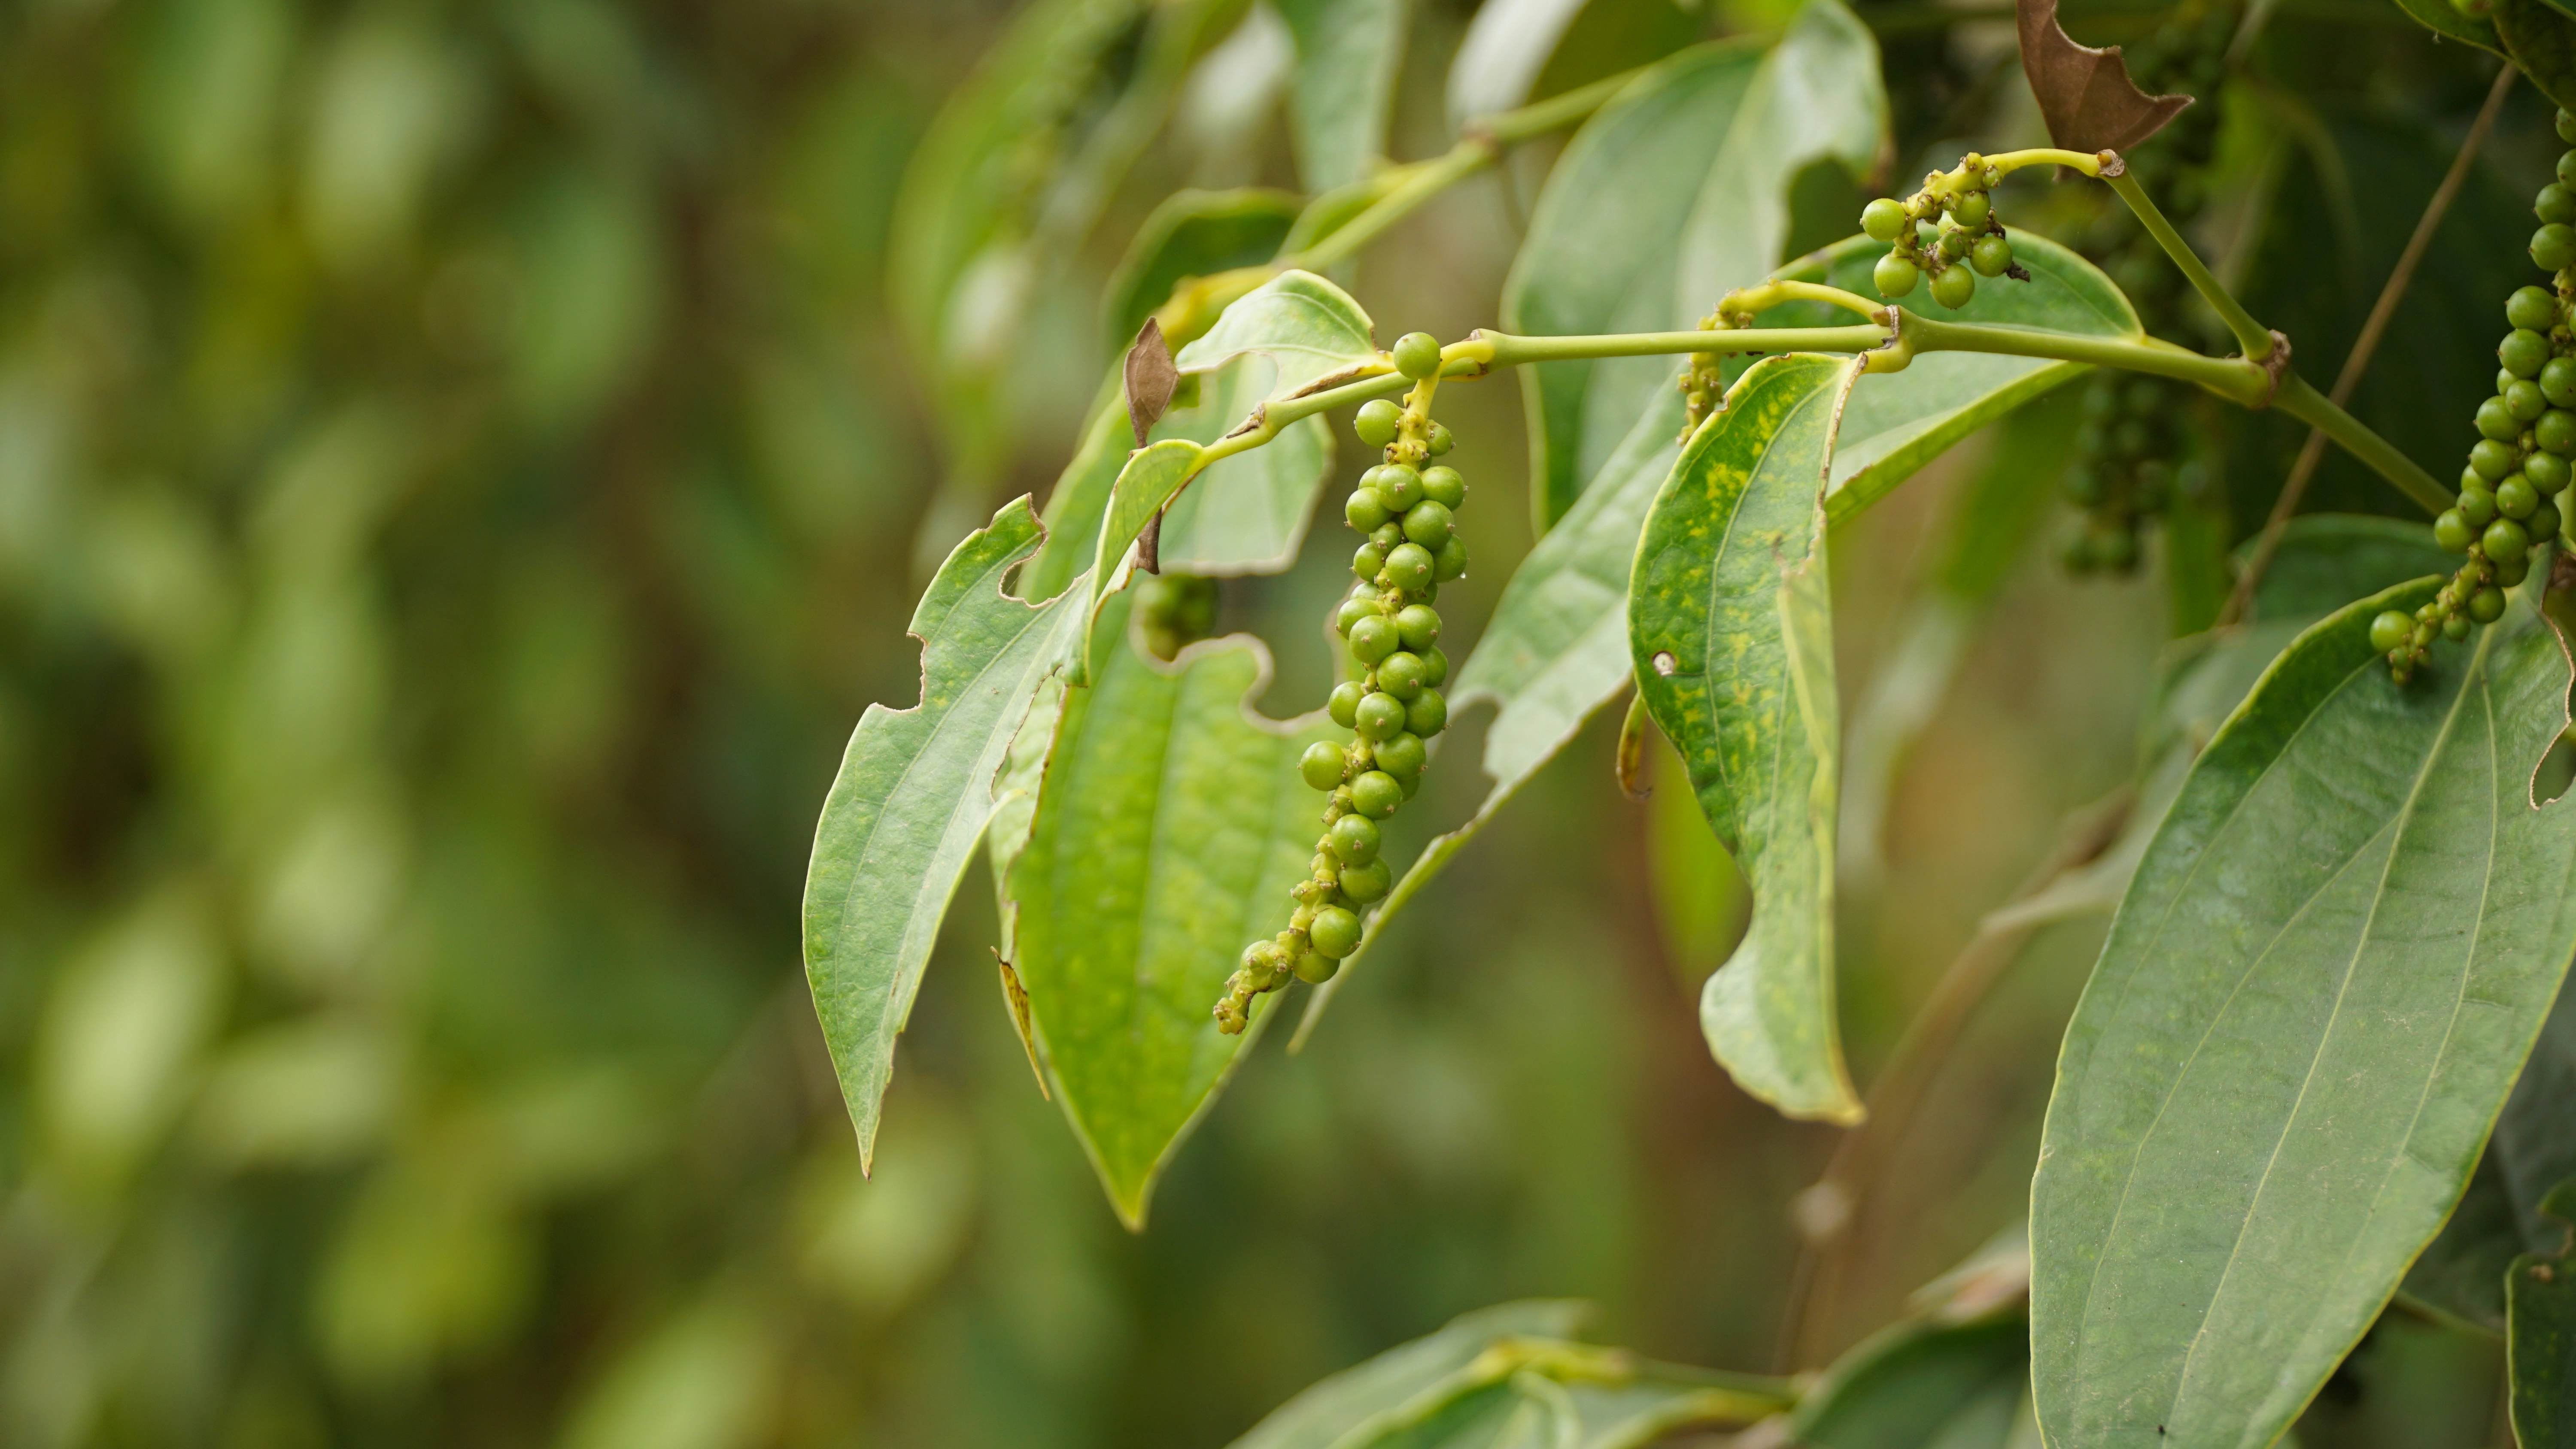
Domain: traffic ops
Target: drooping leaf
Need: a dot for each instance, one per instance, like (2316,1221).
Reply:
(913,797)
(1556,648)
(1193,234)
(2444,19)
(1169,827)
(1672,194)
(2540,1339)
(1309,329)
(1349,53)
(2084,94)
(2312,1003)
(1331,1409)
(1730,630)
(2540,38)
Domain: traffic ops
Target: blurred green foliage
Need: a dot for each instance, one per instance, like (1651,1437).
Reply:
(460,474)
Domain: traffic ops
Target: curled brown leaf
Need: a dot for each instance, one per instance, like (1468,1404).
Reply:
(2084,94)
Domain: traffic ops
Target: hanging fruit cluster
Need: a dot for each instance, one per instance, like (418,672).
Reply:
(1948,231)
(2520,465)
(2130,459)
(1391,702)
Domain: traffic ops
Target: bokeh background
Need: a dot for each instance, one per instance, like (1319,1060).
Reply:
(461,477)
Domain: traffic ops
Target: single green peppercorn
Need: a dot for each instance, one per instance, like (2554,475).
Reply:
(2523,352)
(1403,756)
(1972,209)
(1377,422)
(1315,968)
(2390,631)
(2547,471)
(1376,795)
(2503,540)
(2566,123)
(1364,509)
(2509,574)
(2504,380)
(1382,716)
(1343,705)
(1365,883)
(1398,487)
(1894,276)
(1952,245)
(1366,561)
(2558,381)
(1354,839)
(1451,562)
(2523,400)
(2555,203)
(2542,525)
(1443,485)
(2477,505)
(1373,638)
(1419,625)
(1428,715)
(1336,934)
(2451,531)
(1322,764)
(1428,524)
(1387,536)
(1409,566)
(1400,674)
(1954,287)
(2553,247)
(2516,498)
(1416,355)
(2456,628)
(2556,431)
(1435,665)
(1883,219)
(1992,256)
(2531,309)
(2567,168)
(2497,421)
(1352,611)
(1441,440)
(2492,459)
(2487,604)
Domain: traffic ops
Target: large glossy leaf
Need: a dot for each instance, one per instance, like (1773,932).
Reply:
(913,797)
(1672,194)
(1349,53)
(2444,19)
(1730,627)
(2313,1001)
(1169,827)
(1556,648)
(2541,38)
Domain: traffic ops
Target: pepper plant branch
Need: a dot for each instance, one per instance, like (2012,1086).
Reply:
(2251,335)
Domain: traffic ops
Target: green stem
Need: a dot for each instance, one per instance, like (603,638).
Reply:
(2239,381)
(2251,335)
(1503,349)
(2318,411)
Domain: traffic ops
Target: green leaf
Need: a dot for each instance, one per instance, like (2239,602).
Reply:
(1556,649)
(1730,628)
(1193,234)
(1923,1383)
(1168,831)
(2540,38)
(1671,195)
(1246,514)
(1349,53)
(2310,1008)
(1324,1414)
(2540,1340)
(2444,19)
(913,796)
(1311,330)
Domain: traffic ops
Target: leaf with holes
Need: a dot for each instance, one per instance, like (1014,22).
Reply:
(2331,964)
(1730,630)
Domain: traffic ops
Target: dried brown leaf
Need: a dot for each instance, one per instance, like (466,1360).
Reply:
(1150,379)
(2086,95)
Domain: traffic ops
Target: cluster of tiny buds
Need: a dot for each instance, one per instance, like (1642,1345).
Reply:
(1405,506)
(1968,242)
(2525,454)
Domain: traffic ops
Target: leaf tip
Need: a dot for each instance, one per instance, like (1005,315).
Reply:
(2086,95)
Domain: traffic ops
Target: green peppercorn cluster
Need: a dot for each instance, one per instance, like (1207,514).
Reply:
(2521,463)
(1174,611)
(1947,231)
(2130,458)
(1391,701)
